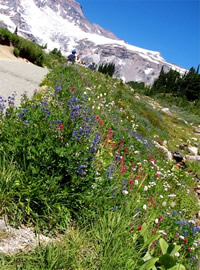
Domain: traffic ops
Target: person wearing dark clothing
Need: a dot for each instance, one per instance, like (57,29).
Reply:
(92,66)
(72,57)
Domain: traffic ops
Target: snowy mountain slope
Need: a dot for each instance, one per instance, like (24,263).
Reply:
(61,24)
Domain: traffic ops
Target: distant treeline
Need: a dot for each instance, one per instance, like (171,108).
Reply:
(186,86)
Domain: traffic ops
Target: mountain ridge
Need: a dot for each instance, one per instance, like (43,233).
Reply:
(64,26)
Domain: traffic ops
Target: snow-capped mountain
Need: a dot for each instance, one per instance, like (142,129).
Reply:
(61,24)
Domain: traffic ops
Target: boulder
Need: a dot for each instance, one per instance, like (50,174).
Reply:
(193,150)
(166,111)
(165,150)
(181,119)
(193,158)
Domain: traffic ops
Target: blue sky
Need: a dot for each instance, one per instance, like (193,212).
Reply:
(171,27)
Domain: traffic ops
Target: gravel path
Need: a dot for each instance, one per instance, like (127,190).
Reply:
(20,77)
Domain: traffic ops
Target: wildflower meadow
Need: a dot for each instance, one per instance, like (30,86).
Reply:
(79,160)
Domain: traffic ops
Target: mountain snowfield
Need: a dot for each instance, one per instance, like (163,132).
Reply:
(61,24)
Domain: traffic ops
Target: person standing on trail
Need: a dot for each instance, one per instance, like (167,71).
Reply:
(72,57)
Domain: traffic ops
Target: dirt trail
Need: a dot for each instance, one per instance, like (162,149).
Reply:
(18,75)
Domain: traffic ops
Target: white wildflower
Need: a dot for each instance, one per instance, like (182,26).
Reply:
(125,192)
(164,204)
(173,204)
(177,254)
(145,207)
(192,221)
(172,195)
(94,186)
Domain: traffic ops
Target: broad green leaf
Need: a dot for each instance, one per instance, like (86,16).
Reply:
(178,267)
(170,248)
(147,256)
(164,246)
(149,264)
(167,261)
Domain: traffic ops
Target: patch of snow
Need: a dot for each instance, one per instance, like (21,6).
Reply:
(45,22)
(8,22)
(148,70)
(3,7)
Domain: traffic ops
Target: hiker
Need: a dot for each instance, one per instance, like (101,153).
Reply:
(72,57)
(92,66)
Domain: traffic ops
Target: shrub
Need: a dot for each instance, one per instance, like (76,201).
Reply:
(23,47)
(16,52)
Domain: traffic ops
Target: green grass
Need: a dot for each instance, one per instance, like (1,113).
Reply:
(30,50)
(79,159)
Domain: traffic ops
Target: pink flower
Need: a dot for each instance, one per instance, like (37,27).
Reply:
(131,182)
(157,175)
(61,127)
(140,228)
(185,240)
(73,88)
(123,170)
(101,122)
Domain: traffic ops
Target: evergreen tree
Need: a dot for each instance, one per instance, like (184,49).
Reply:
(108,68)
(16,31)
(191,84)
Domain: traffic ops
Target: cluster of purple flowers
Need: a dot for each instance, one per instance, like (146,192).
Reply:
(95,142)
(58,89)
(110,171)
(2,104)
(23,113)
(75,108)
(81,169)
(55,121)
(11,99)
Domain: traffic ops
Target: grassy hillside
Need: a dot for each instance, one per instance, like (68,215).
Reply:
(80,159)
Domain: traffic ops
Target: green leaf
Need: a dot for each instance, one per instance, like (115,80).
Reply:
(164,246)
(144,231)
(147,256)
(151,239)
(167,261)
(176,249)
(170,248)
(178,267)
(149,264)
